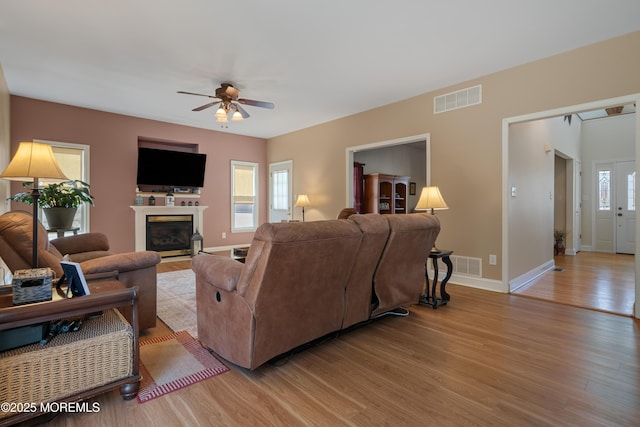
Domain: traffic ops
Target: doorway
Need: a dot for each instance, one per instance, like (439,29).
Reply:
(517,254)
(614,227)
(280,191)
(423,140)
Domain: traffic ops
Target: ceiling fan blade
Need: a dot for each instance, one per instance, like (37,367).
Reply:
(205,106)
(256,103)
(197,94)
(242,111)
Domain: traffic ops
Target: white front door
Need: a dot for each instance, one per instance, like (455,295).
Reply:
(625,207)
(280,191)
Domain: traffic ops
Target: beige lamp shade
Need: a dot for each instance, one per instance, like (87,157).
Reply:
(303,201)
(33,162)
(431,199)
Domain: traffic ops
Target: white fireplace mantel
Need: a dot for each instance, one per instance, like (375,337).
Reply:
(141,219)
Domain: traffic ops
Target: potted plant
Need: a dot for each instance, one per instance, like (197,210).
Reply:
(559,236)
(59,201)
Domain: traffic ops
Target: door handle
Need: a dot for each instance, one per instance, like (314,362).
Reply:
(619,214)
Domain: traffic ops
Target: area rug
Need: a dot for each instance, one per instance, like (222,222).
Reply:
(171,362)
(176,305)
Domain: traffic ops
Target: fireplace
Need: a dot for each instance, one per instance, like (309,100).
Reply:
(142,212)
(169,235)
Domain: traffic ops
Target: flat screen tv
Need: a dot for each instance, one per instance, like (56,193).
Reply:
(170,168)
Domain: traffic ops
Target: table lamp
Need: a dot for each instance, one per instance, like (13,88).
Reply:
(303,201)
(34,162)
(430,198)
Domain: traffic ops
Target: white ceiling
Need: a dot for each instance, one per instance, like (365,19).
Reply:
(317,61)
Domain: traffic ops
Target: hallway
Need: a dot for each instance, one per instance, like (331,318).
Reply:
(594,280)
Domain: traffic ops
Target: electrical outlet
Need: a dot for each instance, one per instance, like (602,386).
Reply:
(224,235)
(493,260)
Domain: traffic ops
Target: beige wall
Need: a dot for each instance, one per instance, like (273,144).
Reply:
(531,174)
(466,144)
(114,140)
(5,146)
(541,200)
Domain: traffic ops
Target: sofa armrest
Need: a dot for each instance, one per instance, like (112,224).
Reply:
(121,262)
(216,270)
(87,242)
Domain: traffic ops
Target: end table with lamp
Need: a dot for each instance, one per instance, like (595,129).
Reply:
(431,199)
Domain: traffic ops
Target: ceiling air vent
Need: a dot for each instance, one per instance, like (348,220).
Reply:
(460,99)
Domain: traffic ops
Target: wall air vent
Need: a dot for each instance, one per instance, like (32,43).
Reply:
(460,99)
(467,265)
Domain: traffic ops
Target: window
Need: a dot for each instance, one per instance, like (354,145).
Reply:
(604,190)
(280,196)
(73,159)
(244,196)
(631,191)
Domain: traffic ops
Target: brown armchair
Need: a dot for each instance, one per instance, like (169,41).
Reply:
(91,250)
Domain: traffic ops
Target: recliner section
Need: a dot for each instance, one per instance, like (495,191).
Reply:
(303,280)
(91,250)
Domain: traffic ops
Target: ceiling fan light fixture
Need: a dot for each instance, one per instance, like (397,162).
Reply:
(221,113)
(229,109)
(236,116)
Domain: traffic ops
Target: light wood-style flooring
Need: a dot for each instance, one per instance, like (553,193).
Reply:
(595,280)
(485,359)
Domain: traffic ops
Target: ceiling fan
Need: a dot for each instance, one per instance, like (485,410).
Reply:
(229,108)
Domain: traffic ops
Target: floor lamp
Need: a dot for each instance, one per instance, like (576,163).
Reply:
(34,162)
(302,201)
(431,199)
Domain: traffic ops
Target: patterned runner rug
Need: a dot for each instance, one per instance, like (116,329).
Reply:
(171,362)
(177,301)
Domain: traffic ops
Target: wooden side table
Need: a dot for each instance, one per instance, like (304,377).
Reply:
(430,296)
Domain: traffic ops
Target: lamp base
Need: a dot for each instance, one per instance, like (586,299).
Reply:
(35,195)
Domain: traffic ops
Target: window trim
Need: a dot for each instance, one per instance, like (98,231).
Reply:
(256,185)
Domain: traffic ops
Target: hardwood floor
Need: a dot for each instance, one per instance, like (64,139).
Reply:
(485,359)
(164,267)
(594,280)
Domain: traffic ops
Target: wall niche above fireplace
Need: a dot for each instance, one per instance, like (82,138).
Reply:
(168,166)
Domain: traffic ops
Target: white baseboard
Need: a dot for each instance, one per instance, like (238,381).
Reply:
(477,282)
(530,275)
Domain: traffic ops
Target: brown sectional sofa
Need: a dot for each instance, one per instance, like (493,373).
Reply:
(303,280)
(91,250)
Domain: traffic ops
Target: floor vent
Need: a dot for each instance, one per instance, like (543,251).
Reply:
(460,99)
(467,265)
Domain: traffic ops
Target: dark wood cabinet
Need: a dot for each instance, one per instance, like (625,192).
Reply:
(385,194)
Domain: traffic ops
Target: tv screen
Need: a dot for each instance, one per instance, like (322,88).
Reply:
(170,168)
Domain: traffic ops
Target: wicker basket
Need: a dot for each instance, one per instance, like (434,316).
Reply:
(33,285)
(99,353)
